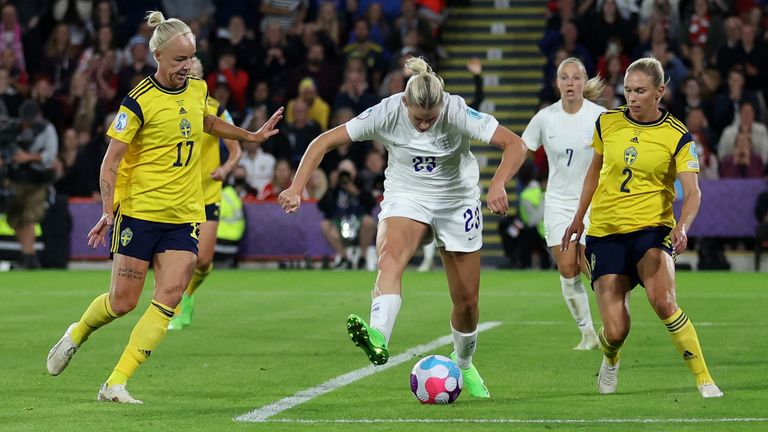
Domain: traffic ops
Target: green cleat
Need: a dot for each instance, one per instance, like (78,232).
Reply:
(473,382)
(184,317)
(368,339)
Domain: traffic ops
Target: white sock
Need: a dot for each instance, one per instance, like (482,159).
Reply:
(464,344)
(578,303)
(384,310)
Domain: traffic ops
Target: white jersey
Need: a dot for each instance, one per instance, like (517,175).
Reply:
(567,140)
(435,165)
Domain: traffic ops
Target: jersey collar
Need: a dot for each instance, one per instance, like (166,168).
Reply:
(660,120)
(168,90)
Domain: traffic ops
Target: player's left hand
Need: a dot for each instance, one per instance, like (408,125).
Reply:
(268,130)
(97,236)
(498,203)
(679,238)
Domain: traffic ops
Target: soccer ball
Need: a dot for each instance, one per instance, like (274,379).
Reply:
(436,380)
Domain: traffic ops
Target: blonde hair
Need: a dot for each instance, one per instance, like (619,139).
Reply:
(593,88)
(424,89)
(651,67)
(166,29)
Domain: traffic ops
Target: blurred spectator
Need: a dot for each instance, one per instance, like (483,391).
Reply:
(393,82)
(189,10)
(372,54)
(106,80)
(609,99)
(689,98)
(742,162)
(11,36)
(77,171)
(567,39)
(138,69)
(60,58)
(727,102)
(104,15)
(234,77)
(355,152)
(317,185)
(235,38)
(31,174)
(74,14)
(608,26)
(10,99)
(730,53)
(354,92)
(232,220)
(755,58)
(378,26)
(259,165)
(745,123)
(284,13)
(408,20)
(346,208)
(260,100)
(281,180)
(702,28)
(390,9)
(319,110)
(79,107)
(371,178)
(42,93)
(244,190)
(697,125)
(274,66)
(323,74)
(300,130)
(328,22)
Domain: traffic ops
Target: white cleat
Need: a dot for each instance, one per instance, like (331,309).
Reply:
(608,377)
(116,393)
(710,391)
(588,342)
(61,353)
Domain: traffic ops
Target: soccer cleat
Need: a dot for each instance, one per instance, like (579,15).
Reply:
(588,342)
(368,339)
(710,390)
(608,377)
(116,393)
(186,312)
(473,382)
(61,353)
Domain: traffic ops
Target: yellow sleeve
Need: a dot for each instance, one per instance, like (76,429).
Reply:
(128,121)
(686,158)
(597,137)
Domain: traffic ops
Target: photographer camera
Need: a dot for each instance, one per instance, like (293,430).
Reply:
(30,172)
(346,208)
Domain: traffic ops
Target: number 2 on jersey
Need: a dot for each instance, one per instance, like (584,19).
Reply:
(421,163)
(189,144)
(627,172)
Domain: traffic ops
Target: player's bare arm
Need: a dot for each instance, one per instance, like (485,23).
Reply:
(218,127)
(512,157)
(107,180)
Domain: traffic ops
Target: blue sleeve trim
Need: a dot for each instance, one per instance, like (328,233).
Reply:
(685,139)
(135,108)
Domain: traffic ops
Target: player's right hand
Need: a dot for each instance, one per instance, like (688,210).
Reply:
(97,236)
(575,227)
(289,200)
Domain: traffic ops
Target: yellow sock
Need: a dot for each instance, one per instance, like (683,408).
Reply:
(98,314)
(145,337)
(197,278)
(611,352)
(687,343)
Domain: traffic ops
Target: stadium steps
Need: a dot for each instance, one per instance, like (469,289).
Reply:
(504,35)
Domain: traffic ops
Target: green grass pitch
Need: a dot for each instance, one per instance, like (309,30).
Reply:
(261,336)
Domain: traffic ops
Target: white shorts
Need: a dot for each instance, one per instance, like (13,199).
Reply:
(457,226)
(556,221)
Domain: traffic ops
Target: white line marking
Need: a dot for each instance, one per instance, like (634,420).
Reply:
(264,413)
(525,421)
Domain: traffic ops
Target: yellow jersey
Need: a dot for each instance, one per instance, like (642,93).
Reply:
(640,163)
(159,176)
(211,155)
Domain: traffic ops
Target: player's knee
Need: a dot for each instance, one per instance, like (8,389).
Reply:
(568,270)
(616,332)
(664,305)
(123,306)
(204,263)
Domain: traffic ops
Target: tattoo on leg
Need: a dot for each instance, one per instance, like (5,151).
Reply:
(130,273)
